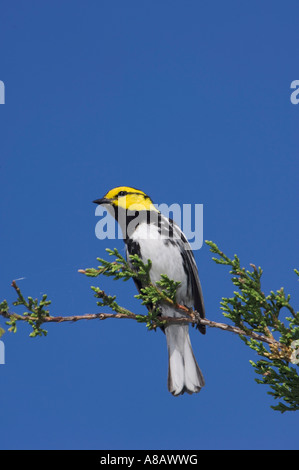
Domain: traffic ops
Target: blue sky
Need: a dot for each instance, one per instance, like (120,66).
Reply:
(189,101)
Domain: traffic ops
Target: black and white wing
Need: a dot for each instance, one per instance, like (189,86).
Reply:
(192,273)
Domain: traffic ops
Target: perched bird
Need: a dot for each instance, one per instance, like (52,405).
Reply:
(151,235)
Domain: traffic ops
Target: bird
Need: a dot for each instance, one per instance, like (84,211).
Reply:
(155,237)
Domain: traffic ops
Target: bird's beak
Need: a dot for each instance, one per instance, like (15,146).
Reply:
(102,201)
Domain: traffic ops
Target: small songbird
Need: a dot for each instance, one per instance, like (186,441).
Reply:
(152,236)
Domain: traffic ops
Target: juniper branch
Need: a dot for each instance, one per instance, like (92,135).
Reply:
(258,313)
(122,313)
(133,316)
(255,317)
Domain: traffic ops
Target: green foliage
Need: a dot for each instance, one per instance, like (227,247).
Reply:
(150,295)
(168,287)
(121,268)
(4,311)
(109,301)
(34,310)
(271,315)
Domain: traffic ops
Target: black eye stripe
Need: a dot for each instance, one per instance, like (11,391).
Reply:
(125,193)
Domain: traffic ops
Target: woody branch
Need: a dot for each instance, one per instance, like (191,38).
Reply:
(191,317)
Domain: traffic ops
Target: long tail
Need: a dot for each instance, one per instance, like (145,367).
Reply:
(184,375)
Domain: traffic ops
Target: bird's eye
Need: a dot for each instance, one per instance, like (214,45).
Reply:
(122,193)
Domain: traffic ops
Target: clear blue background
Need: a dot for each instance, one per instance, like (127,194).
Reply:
(189,101)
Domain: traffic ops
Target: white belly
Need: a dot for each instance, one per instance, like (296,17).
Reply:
(166,259)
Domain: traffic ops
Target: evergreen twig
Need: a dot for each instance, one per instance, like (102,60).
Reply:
(254,316)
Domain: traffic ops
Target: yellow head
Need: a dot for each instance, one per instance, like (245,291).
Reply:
(128,199)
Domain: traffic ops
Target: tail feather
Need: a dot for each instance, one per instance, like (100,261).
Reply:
(184,374)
